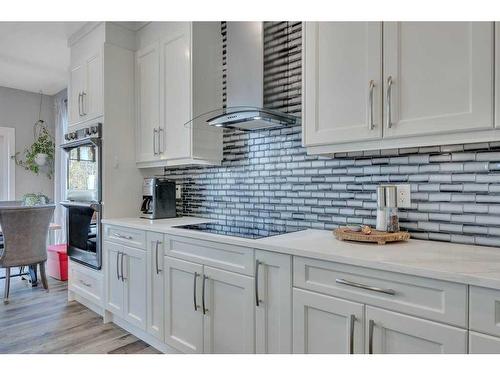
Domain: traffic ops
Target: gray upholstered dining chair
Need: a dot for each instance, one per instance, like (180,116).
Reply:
(25,231)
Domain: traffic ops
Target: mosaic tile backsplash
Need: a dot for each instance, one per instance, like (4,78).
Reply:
(267,177)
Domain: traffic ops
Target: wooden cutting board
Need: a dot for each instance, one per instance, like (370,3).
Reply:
(345,234)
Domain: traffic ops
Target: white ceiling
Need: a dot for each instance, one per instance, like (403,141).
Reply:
(34,56)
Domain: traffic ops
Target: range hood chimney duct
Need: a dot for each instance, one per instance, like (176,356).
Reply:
(245,82)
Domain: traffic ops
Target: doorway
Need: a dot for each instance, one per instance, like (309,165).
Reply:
(7,164)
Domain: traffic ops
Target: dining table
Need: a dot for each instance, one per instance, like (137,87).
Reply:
(32,270)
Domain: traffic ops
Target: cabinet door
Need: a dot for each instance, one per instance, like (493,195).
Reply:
(93,93)
(394,333)
(183,312)
(442,77)
(76,87)
(114,284)
(175,75)
(229,316)
(134,273)
(326,325)
(273,313)
(147,102)
(155,284)
(342,82)
(483,344)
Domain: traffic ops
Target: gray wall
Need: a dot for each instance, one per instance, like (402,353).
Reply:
(267,176)
(19,110)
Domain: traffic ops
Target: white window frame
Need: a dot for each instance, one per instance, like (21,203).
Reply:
(8,135)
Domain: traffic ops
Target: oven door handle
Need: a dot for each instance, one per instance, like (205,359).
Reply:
(81,142)
(92,205)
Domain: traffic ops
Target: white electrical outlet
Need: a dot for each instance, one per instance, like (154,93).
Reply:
(404,195)
(178,192)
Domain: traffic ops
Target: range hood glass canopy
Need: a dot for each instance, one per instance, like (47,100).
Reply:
(244,118)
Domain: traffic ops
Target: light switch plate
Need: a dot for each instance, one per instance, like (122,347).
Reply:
(404,195)
(178,192)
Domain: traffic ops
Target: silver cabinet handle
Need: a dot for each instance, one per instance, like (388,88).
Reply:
(370,104)
(155,134)
(388,101)
(83,103)
(117,265)
(371,325)
(123,236)
(157,248)
(160,148)
(85,284)
(364,286)
(352,320)
(203,294)
(194,292)
(123,278)
(80,104)
(257,299)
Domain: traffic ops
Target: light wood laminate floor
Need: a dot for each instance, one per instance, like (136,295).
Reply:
(35,321)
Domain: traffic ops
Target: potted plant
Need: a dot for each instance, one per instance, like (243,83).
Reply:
(40,155)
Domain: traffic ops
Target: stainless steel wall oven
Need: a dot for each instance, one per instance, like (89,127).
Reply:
(83,195)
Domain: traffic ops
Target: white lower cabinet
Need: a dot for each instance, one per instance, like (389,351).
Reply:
(207,310)
(393,333)
(134,275)
(326,325)
(114,284)
(183,311)
(155,285)
(483,344)
(273,303)
(229,312)
(126,283)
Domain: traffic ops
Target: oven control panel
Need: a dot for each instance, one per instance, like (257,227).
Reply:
(91,131)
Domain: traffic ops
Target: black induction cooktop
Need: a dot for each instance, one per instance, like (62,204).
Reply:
(242,229)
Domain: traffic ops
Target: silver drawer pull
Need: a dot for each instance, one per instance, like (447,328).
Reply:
(367,287)
(85,284)
(123,236)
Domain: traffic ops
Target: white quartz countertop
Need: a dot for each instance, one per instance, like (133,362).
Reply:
(467,264)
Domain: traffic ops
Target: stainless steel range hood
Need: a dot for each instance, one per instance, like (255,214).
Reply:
(245,82)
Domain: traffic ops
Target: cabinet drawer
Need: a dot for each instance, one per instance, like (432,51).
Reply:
(86,283)
(428,298)
(126,236)
(483,344)
(229,257)
(484,310)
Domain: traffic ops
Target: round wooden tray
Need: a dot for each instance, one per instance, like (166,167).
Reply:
(345,234)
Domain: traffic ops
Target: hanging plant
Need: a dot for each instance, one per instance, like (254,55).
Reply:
(40,155)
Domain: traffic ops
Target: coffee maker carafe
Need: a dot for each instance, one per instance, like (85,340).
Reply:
(158,198)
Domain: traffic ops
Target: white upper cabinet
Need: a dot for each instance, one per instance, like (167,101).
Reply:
(75,88)
(86,89)
(342,75)
(421,84)
(175,77)
(147,75)
(442,77)
(93,95)
(178,78)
